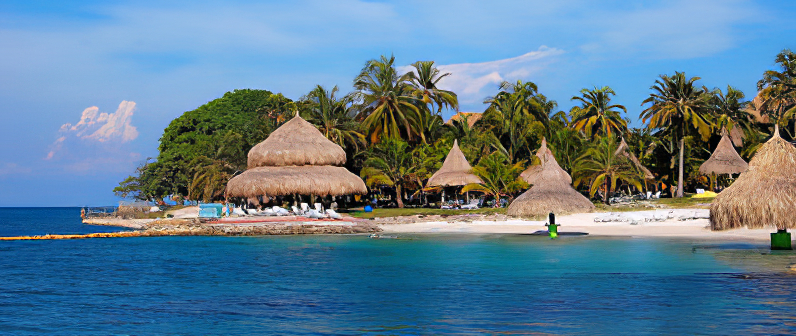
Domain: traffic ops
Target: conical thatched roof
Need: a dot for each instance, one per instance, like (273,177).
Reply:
(624,149)
(296,143)
(295,159)
(455,171)
(554,197)
(551,190)
(764,195)
(302,180)
(547,170)
(724,160)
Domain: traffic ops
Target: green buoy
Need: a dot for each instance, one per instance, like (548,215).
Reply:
(780,240)
(552,228)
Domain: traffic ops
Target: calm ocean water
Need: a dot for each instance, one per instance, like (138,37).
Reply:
(308,285)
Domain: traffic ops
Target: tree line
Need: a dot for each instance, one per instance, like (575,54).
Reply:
(392,130)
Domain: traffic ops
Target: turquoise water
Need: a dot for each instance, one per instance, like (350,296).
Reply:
(307,285)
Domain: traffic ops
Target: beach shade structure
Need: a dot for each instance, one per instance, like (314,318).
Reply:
(551,191)
(296,159)
(455,171)
(762,196)
(547,170)
(724,160)
(624,150)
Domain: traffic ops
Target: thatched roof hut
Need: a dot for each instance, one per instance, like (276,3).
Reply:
(764,195)
(295,159)
(551,190)
(624,150)
(455,171)
(547,170)
(296,143)
(542,199)
(724,160)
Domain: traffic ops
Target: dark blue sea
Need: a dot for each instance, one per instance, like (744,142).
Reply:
(353,285)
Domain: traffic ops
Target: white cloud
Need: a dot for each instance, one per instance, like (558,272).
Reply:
(99,126)
(473,82)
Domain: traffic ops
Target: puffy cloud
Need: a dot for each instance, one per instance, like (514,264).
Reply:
(99,126)
(473,82)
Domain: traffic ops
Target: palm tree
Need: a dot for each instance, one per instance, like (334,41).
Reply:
(677,105)
(730,112)
(596,114)
(499,176)
(333,117)
(391,164)
(388,107)
(424,79)
(209,179)
(778,89)
(601,165)
(516,112)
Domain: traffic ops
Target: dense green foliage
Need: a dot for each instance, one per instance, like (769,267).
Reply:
(392,131)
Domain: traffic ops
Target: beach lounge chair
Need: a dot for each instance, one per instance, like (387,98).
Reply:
(252,212)
(280,211)
(238,212)
(297,212)
(305,207)
(266,212)
(333,214)
(471,206)
(319,207)
(312,213)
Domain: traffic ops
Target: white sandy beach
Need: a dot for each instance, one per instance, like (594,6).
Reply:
(636,227)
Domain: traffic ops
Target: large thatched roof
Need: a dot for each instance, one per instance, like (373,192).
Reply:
(724,160)
(551,190)
(295,159)
(547,170)
(455,171)
(624,150)
(554,197)
(296,143)
(302,180)
(764,195)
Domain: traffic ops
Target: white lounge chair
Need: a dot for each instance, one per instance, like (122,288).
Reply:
(238,211)
(266,212)
(319,207)
(280,211)
(470,206)
(312,213)
(305,207)
(297,212)
(252,212)
(333,214)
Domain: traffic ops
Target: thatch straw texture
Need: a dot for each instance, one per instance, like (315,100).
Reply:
(547,171)
(472,118)
(542,199)
(764,195)
(296,143)
(724,160)
(455,171)
(551,190)
(302,180)
(624,150)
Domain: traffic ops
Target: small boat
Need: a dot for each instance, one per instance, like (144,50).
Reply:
(378,236)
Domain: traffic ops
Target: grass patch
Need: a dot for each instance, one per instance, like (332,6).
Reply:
(397,212)
(686,202)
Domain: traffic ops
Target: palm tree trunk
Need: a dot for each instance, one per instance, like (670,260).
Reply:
(399,196)
(607,196)
(680,168)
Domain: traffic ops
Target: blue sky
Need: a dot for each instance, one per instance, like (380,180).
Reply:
(86,87)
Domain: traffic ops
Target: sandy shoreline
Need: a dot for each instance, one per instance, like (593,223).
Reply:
(696,228)
(666,223)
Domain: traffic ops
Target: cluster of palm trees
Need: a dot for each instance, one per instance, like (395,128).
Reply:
(392,128)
